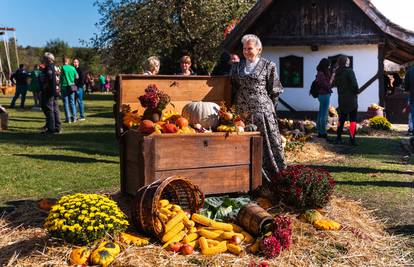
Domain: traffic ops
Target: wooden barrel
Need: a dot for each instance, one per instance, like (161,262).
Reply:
(252,217)
(178,190)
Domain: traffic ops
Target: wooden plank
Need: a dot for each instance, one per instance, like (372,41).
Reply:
(368,83)
(215,180)
(206,88)
(256,162)
(192,151)
(381,89)
(133,180)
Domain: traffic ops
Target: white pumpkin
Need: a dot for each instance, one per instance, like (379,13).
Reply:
(204,113)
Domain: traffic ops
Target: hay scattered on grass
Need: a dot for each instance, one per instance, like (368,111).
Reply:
(363,241)
(315,150)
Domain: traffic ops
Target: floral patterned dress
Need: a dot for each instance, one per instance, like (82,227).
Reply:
(255,95)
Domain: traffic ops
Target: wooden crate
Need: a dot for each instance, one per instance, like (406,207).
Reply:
(217,162)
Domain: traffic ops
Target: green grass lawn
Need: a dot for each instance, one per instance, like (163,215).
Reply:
(377,173)
(85,158)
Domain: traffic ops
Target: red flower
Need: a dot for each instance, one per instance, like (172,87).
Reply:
(270,247)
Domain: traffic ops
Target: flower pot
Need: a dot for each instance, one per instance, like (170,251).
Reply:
(152,115)
(375,112)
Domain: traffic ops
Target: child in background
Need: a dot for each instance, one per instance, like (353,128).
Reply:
(107,83)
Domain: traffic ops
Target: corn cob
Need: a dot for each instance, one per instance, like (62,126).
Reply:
(202,241)
(209,234)
(166,211)
(235,249)
(220,248)
(163,217)
(212,243)
(176,238)
(173,232)
(193,230)
(221,226)
(229,235)
(175,208)
(187,222)
(164,202)
(200,219)
(134,239)
(190,237)
(171,223)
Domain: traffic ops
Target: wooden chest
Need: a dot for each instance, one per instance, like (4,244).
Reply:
(216,162)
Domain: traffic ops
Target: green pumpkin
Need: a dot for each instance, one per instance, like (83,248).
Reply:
(112,247)
(310,216)
(250,128)
(102,257)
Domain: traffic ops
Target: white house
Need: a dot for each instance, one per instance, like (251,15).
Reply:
(297,34)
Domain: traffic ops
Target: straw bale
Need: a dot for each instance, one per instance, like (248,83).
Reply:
(363,241)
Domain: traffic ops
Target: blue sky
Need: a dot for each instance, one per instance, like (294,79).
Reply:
(38,21)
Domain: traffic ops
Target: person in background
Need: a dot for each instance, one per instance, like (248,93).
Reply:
(324,84)
(89,83)
(19,78)
(152,66)
(348,91)
(185,65)
(102,82)
(224,64)
(409,86)
(79,94)
(255,91)
(107,83)
(68,76)
(49,94)
(34,86)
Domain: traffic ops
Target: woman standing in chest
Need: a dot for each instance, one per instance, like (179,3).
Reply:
(256,90)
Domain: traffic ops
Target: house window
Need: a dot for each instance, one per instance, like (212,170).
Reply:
(334,59)
(291,71)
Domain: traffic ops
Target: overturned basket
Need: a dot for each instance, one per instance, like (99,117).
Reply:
(176,189)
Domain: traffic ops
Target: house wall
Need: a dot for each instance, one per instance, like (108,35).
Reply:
(365,64)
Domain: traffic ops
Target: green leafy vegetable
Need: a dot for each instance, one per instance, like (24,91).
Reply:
(224,207)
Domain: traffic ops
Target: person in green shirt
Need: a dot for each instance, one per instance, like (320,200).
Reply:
(34,86)
(102,82)
(68,75)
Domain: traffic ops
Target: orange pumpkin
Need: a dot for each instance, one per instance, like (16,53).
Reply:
(46,203)
(170,128)
(182,122)
(147,127)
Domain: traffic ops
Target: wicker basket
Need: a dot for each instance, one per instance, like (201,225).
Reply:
(178,190)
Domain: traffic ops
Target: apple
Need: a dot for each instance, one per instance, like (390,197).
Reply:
(235,240)
(186,249)
(175,247)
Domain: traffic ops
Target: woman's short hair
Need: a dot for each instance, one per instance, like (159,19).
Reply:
(152,63)
(185,59)
(252,38)
(342,61)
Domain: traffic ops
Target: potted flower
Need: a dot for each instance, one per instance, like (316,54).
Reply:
(154,101)
(375,110)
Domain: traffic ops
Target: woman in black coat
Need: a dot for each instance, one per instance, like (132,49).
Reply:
(348,90)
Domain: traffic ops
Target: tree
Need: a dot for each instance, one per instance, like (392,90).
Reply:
(59,49)
(132,30)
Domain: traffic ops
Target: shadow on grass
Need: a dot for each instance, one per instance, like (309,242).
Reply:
(65,158)
(25,119)
(91,142)
(102,115)
(377,183)
(364,170)
(368,145)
